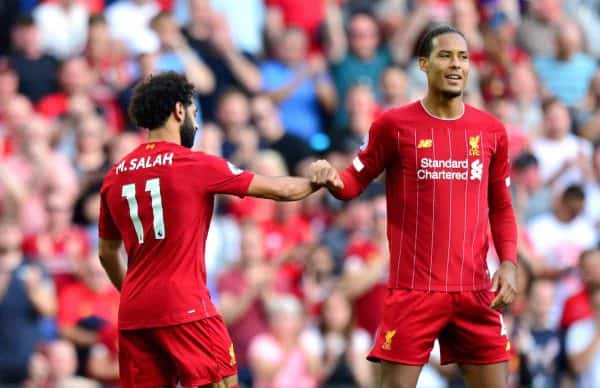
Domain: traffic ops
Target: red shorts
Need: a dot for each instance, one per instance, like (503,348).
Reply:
(469,331)
(195,354)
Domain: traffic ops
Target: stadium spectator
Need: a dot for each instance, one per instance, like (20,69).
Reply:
(87,308)
(36,69)
(366,270)
(585,115)
(523,86)
(582,344)
(246,20)
(559,237)
(26,295)
(539,343)
(578,306)
(355,58)
(77,82)
(538,27)
(107,56)
(42,171)
(395,90)
(103,361)
(244,291)
(530,197)
(129,21)
(208,33)
(344,346)
(175,54)
(61,360)
(494,63)
(592,190)
(63,27)
(299,85)
(287,352)
(271,129)
(567,73)
(563,157)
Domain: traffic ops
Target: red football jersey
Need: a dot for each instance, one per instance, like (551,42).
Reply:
(446,180)
(159,201)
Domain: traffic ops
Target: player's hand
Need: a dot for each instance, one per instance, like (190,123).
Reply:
(322,173)
(504,284)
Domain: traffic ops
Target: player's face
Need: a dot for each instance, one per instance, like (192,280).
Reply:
(189,126)
(447,67)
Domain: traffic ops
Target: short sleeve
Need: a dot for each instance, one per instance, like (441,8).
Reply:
(222,177)
(579,336)
(106,226)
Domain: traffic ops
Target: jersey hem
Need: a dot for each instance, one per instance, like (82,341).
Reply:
(164,323)
(444,288)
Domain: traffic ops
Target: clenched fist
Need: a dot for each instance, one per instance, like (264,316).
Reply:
(324,174)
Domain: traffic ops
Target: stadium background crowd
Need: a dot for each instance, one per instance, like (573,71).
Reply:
(282,82)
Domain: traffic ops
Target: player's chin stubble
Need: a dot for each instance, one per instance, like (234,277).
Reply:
(450,94)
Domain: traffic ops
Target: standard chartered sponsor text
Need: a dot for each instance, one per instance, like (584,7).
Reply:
(451,169)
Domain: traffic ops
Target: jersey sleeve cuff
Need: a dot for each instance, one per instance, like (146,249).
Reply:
(507,252)
(246,180)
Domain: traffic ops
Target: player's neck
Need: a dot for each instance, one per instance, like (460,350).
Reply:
(443,107)
(164,134)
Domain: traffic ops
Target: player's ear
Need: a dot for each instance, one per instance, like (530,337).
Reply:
(423,64)
(179,111)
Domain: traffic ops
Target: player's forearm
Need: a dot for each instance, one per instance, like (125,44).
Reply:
(503,222)
(114,269)
(291,189)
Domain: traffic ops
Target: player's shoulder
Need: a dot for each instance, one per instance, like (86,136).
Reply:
(401,113)
(111,174)
(397,117)
(487,120)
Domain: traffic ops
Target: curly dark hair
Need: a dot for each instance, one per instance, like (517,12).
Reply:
(154,98)
(426,45)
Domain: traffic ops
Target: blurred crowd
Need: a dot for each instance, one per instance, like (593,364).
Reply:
(281,83)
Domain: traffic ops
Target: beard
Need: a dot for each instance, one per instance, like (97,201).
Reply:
(449,94)
(187,131)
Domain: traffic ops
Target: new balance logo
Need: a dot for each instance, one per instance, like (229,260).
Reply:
(425,143)
(476,170)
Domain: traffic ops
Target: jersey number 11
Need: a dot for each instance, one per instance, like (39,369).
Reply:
(153,186)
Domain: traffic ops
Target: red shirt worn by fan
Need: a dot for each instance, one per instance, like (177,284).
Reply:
(446,181)
(159,200)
